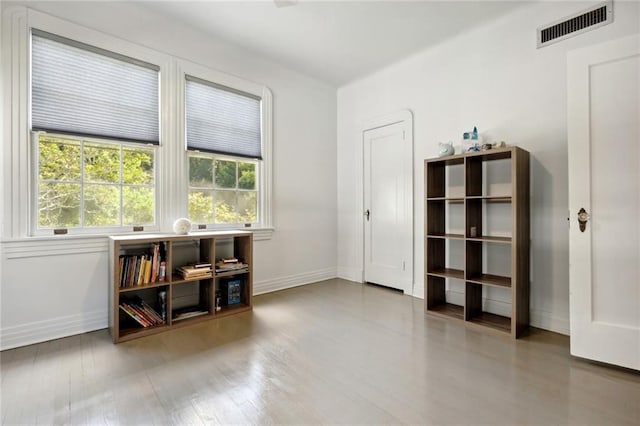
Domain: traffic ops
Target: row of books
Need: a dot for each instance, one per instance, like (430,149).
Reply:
(141,312)
(141,269)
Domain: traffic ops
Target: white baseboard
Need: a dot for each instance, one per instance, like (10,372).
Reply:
(281,283)
(350,274)
(418,290)
(41,331)
(547,321)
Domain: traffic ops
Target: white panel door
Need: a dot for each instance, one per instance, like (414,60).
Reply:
(388,203)
(604,180)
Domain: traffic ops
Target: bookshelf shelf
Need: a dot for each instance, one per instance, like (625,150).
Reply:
(493,227)
(230,273)
(148,295)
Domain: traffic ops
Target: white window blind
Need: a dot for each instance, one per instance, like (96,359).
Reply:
(83,90)
(222,120)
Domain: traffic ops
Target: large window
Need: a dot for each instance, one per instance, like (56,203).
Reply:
(95,121)
(224,142)
(108,136)
(85,183)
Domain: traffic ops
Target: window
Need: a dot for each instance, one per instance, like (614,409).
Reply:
(224,143)
(222,190)
(85,183)
(94,157)
(95,120)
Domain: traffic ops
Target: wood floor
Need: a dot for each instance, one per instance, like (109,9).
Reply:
(332,352)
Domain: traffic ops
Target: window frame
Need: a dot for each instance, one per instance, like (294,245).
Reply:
(264,169)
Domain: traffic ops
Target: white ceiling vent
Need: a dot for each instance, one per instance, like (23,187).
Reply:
(587,20)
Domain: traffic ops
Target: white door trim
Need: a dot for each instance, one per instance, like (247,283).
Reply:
(405,116)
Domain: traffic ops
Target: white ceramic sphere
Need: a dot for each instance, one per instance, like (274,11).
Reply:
(182,226)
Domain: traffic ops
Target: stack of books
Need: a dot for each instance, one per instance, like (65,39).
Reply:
(231,264)
(198,270)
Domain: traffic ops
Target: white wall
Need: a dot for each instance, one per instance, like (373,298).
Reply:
(54,288)
(494,78)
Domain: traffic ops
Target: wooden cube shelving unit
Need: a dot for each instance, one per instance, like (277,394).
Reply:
(478,197)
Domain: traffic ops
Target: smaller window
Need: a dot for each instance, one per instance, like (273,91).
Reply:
(93,184)
(222,190)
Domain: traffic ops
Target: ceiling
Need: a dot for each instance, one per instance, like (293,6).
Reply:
(337,41)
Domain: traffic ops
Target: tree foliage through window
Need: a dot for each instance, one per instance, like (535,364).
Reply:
(93,184)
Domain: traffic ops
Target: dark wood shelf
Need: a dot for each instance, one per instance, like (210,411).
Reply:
(450,236)
(142,287)
(231,273)
(487,239)
(189,319)
(448,310)
(448,273)
(496,322)
(491,198)
(233,309)
(452,200)
(177,279)
(135,332)
(492,280)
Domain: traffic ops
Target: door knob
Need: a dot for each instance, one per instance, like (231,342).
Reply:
(367,214)
(583,218)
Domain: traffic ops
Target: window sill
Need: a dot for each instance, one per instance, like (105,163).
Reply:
(259,234)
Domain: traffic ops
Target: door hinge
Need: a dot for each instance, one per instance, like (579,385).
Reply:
(403,266)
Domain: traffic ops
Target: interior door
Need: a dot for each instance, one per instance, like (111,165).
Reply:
(388,204)
(604,180)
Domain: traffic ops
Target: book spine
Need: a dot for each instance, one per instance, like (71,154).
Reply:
(154,265)
(147,271)
(163,271)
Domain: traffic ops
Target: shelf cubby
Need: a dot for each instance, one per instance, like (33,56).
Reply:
(436,298)
(491,221)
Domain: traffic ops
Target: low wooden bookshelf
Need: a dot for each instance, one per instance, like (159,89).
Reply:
(149,293)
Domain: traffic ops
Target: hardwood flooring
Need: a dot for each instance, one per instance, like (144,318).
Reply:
(331,352)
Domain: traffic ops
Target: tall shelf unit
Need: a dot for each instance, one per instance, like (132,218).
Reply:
(173,300)
(477,237)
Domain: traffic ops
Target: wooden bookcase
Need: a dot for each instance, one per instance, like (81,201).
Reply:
(186,301)
(477,237)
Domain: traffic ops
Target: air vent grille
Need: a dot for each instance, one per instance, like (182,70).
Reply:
(594,17)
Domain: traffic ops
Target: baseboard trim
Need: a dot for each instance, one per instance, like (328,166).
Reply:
(282,283)
(42,331)
(418,290)
(350,274)
(547,321)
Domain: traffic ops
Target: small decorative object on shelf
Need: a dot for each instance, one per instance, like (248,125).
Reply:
(445,149)
(182,226)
